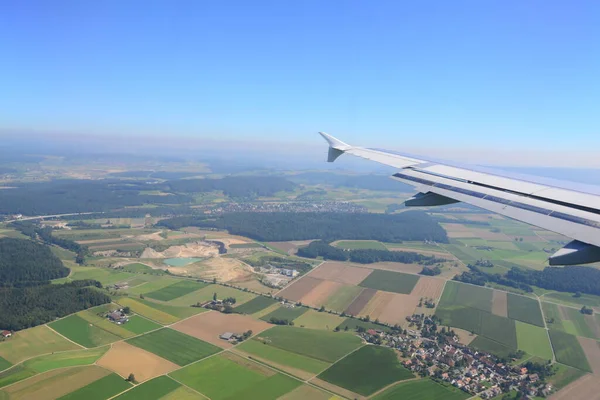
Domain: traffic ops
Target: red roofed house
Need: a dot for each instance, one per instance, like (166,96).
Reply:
(6,334)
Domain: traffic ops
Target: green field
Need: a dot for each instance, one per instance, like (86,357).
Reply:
(420,390)
(183,393)
(158,312)
(100,321)
(491,346)
(569,320)
(139,325)
(33,342)
(65,359)
(568,351)
(389,281)
(233,377)
(4,364)
(245,245)
(104,275)
(140,268)
(175,290)
(153,389)
(153,285)
(564,375)
(286,313)
(533,340)
(206,294)
(255,305)
(458,294)
(318,320)
(353,323)
(15,374)
(174,346)
(283,357)
(567,298)
(321,345)
(500,329)
(103,388)
(82,332)
(342,298)
(525,309)
(360,245)
(367,370)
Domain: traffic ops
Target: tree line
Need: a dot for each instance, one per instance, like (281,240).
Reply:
(25,307)
(31,229)
(24,261)
(563,279)
(328,226)
(322,249)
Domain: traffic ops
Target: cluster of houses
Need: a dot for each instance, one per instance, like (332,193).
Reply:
(444,358)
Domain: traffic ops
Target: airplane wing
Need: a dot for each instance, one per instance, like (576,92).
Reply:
(570,209)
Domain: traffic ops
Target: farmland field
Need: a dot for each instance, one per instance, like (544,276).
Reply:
(54,384)
(367,370)
(207,293)
(491,346)
(389,281)
(65,359)
(568,351)
(256,304)
(564,375)
(81,331)
(460,294)
(210,325)
(175,290)
(158,312)
(353,323)
(306,392)
(342,298)
(285,313)
(341,272)
(422,389)
(524,309)
(154,389)
(183,393)
(282,357)
(571,320)
(125,359)
(15,374)
(360,245)
(4,364)
(103,388)
(300,288)
(533,340)
(154,285)
(33,342)
(101,322)
(212,377)
(139,325)
(500,329)
(322,345)
(174,346)
(318,320)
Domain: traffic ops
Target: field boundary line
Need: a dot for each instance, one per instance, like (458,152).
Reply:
(546,328)
(64,337)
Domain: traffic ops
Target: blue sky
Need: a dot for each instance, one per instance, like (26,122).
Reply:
(445,74)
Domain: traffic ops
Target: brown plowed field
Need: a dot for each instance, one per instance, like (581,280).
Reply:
(377,304)
(398,308)
(428,287)
(586,388)
(319,295)
(500,303)
(125,359)
(464,337)
(341,272)
(208,326)
(300,288)
(360,302)
(592,352)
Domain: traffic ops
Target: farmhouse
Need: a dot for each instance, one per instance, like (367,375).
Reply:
(117,317)
(226,335)
(6,334)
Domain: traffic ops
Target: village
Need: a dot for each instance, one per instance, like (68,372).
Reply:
(440,355)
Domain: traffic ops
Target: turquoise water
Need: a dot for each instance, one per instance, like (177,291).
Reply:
(180,261)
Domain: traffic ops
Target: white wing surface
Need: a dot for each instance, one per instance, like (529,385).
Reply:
(570,209)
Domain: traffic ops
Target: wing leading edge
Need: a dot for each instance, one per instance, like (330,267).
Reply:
(562,207)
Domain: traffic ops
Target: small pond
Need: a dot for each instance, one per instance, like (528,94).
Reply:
(181,261)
